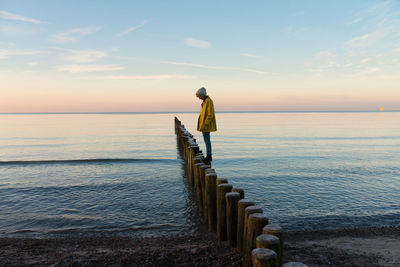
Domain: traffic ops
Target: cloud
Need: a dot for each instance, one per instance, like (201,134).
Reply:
(75,68)
(134,28)
(190,64)
(197,43)
(146,77)
(19,31)
(369,53)
(250,70)
(196,65)
(73,34)
(325,55)
(215,67)
(250,55)
(33,64)
(7,53)
(366,39)
(356,20)
(11,16)
(382,24)
(366,72)
(7,43)
(85,56)
(324,61)
(365,60)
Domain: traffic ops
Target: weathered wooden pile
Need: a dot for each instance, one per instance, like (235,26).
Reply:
(224,208)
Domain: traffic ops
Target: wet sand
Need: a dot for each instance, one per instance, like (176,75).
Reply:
(346,247)
(199,249)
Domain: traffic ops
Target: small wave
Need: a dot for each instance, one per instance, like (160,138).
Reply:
(84,161)
(23,231)
(293,223)
(155,229)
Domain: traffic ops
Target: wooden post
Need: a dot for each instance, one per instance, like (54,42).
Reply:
(192,151)
(247,212)
(196,171)
(203,189)
(185,142)
(199,193)
(210,170)
(263,257)
(242,204)
(189,163)
(211,198)
(221,181)
(231,198)
(240,191)
(255,224)
(222,189)
(268,241)
(276,230)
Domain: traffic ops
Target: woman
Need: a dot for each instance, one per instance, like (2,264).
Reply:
(206,122)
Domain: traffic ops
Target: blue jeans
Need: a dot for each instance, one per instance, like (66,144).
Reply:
(207,141)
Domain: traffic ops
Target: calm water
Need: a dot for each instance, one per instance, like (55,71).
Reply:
(120,173)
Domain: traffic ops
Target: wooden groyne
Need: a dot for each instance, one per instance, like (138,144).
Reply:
(225,210)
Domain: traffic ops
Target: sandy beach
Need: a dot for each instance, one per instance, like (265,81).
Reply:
(346,247)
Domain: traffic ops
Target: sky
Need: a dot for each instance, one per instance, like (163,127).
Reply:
(151,56)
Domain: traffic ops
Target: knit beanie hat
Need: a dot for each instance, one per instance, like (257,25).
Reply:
(201,92)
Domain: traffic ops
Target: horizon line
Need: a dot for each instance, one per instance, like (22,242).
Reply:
(170,112)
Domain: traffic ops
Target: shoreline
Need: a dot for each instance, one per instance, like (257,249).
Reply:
(370,246)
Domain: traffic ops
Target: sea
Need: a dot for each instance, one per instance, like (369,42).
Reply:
(121,173)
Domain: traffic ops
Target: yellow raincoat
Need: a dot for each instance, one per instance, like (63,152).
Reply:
(206,121)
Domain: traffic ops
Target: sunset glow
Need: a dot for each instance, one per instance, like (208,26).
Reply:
(121,56)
